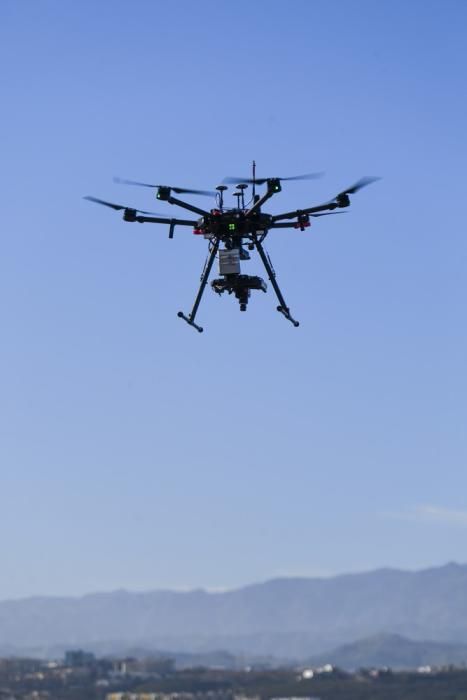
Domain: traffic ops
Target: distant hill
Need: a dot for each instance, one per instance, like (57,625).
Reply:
(393,651)
(288,618)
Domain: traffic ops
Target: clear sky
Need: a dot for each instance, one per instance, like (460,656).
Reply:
(137,453)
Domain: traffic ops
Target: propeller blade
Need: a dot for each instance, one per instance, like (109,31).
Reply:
(329,213)
(237,180)
(262,180)
(363,182)
(307,176)
(157,213)
(205,193)
(178,190)
(121,207)
(122,181)
(117,207)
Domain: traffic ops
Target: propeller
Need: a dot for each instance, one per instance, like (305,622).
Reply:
(120,207)
(342,199)
(328,213)
(262,180)
(363,182)
(178,190)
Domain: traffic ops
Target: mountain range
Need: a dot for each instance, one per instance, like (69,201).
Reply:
(392,651)
(290,618)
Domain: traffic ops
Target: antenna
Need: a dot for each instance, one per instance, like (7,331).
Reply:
(221,189)
(242,188)
(254,179)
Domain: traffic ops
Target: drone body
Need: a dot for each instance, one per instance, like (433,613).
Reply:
(228,230)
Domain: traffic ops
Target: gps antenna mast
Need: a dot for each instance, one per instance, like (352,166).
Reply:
(254,182)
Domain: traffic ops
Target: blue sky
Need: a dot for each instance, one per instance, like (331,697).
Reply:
(137,453)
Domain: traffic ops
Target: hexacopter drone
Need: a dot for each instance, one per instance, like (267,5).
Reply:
(234,227)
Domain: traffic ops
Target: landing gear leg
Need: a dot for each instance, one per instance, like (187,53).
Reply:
(282,308)
(190,319)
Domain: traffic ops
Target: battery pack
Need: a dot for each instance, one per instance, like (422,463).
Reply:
(229,262)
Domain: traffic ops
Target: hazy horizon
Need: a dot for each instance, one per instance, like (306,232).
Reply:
(226,589)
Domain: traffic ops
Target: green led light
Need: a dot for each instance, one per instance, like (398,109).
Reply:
(231,227)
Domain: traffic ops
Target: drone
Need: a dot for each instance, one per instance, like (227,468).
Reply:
(232,232)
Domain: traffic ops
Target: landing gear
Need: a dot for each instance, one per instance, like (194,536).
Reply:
(282,308)
(285,312)
(233,282)
(190,319)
